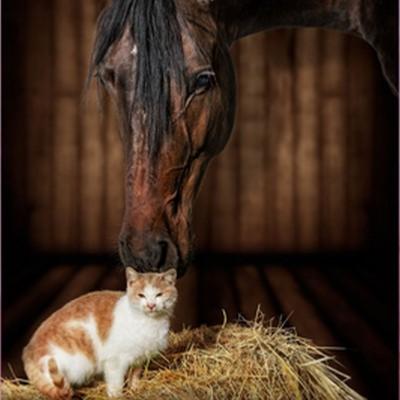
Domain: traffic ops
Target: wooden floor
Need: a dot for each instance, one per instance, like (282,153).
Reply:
(335,303)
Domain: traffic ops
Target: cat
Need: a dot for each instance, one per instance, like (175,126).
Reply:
(102,333)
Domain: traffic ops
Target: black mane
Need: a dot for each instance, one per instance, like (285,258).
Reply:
(156,31)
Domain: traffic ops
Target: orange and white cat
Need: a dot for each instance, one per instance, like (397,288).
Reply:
(102,333)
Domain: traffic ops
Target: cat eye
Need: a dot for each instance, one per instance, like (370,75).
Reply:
(158,294)
(141,295)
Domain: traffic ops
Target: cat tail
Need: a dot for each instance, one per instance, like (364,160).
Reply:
(47,378)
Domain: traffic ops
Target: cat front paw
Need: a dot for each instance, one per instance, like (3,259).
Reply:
(66,393)
(114,392)
(134,378)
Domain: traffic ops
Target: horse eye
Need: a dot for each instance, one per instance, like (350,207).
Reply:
(204,81)
(141,295)
(158,294)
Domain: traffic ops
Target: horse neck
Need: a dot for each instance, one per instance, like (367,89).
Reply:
(244,17)
(376,23)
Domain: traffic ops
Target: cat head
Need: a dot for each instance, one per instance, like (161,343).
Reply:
(152,293)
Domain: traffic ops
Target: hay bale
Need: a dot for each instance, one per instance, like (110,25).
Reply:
(244,360)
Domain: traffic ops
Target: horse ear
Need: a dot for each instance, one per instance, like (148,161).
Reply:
(131,274)
(170,276)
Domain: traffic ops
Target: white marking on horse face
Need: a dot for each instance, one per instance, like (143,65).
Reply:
(134,50)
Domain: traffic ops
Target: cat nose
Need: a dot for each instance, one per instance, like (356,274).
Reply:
(147,253)
(151,306)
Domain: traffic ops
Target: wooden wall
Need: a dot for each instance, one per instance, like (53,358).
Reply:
(298,172)
(298,175)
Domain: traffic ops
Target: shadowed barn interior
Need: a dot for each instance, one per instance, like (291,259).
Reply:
(298,214)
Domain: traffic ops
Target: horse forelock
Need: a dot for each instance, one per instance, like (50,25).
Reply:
(156,32)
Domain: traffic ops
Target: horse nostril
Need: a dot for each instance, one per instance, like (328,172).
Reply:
(125,252)
(163,246)
(147,252)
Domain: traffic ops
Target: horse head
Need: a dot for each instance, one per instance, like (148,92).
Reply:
(168,69)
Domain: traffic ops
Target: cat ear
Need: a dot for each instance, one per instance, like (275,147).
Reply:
(131,274)
(170,276)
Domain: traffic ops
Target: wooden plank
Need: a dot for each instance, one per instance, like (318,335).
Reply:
(66,235)
(13,286)
(85,280)
(361,115)
(15,206)
(333,140)
(252,293)
(186,311)
(294,305)
(305,318)
(384,198)
(306,98)
(270,163)
(236,139)
(382,282)
(280,125)
(216,293)
(203,210)
(114,280)
(66,48)
(224,220)
(365,301)
(376,359)
(251,103)
(92,152)
(36,297)
(38,79)
(65,134)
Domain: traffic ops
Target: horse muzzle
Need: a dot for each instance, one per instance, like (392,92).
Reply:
(148,252)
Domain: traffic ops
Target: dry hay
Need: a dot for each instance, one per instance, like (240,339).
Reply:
(245,360)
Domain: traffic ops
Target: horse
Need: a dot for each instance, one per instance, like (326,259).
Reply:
(166,65)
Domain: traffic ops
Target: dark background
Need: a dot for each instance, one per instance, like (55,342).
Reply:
(299,213)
